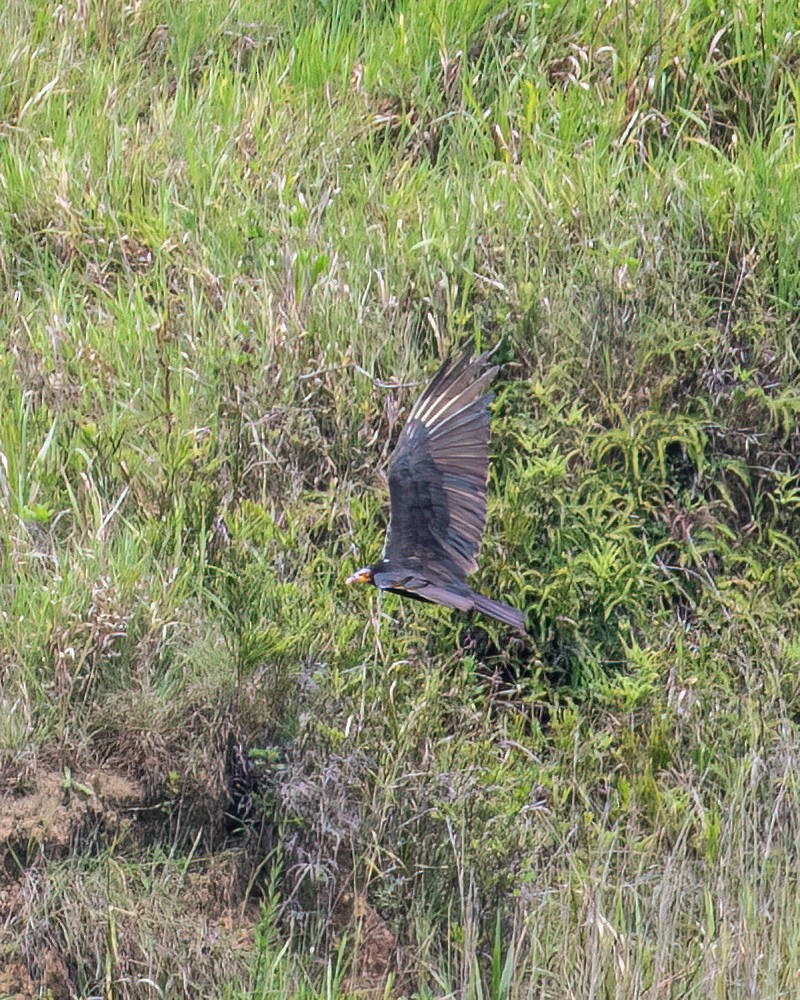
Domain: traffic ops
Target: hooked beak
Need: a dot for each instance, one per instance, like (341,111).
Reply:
(360,576)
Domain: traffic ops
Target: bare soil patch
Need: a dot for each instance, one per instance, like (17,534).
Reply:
(61,807)
(60,815)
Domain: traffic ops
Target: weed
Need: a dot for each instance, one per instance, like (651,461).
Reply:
(234,240)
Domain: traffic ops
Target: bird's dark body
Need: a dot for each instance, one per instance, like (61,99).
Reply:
(437,485)
(407,593)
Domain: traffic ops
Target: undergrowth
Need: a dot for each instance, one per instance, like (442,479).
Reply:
(235,240)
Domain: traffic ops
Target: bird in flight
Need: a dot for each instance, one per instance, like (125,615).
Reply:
(437,487)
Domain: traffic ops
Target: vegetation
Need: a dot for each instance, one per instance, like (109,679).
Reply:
(235,237)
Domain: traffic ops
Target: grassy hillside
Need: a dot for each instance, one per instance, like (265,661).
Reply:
(236,237)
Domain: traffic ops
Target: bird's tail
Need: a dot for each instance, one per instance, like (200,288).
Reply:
(502,612)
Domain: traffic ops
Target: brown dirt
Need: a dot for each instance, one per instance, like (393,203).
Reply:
(15,983)
(375,946)
(57,813)
(48,817)
(57,809)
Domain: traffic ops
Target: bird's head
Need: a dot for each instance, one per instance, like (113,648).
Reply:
(361,576)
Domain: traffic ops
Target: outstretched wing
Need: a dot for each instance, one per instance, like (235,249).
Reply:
(438,473)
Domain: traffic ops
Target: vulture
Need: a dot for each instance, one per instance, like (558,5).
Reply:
(437,487)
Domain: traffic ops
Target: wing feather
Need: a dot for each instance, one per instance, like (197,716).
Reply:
(438,473)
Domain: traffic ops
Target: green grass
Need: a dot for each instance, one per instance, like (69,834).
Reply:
(235,238)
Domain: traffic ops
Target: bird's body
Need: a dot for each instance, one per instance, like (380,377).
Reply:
(437,485)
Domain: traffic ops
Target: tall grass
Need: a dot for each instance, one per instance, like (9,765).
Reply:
(235,239)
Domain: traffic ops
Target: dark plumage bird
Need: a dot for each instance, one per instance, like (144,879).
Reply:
(437,485)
